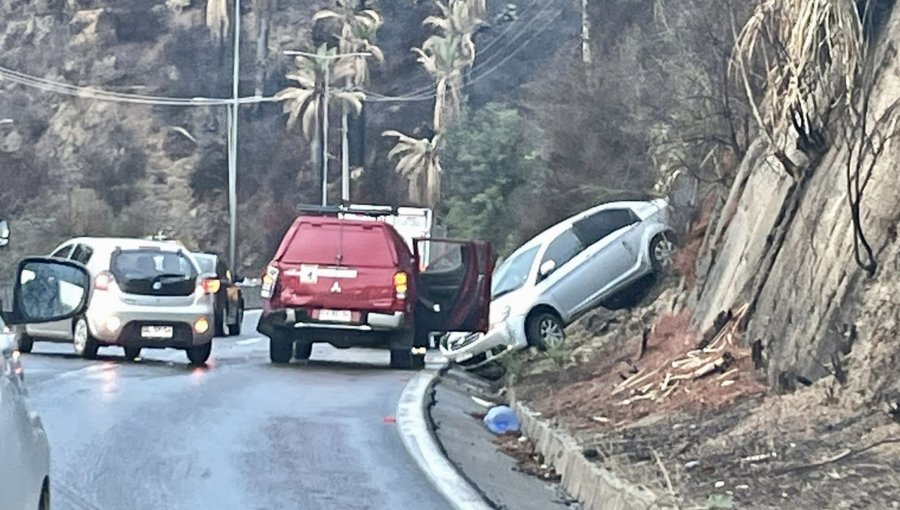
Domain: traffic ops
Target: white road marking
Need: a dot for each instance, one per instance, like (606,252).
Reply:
(249,341)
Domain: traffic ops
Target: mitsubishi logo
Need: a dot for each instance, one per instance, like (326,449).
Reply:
(336,288)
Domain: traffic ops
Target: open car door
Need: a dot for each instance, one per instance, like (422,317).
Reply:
(454,288)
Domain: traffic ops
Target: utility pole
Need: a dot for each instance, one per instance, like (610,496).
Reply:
(233,142)
(345,160)
(585,33)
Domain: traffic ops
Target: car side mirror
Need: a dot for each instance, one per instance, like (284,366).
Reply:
(48,290)
(547,268)
(4,234)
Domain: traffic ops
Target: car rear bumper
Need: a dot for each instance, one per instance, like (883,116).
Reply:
(124,326)
(299,320)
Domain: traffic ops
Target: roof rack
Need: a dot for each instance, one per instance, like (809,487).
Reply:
(335,210)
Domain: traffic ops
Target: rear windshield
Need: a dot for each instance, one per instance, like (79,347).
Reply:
(335,244)
(154,272)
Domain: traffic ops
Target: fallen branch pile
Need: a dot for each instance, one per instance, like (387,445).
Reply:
(713,362)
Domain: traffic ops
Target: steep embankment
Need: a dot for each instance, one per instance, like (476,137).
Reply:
(817,312)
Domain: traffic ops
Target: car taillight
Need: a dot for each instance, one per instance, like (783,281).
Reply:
(401,285)
(211,285)
(103,281)
(268,282)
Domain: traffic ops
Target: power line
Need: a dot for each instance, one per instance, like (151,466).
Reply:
(425,94)
(95,93)
(378,98)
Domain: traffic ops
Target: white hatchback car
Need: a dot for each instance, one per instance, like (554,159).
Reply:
(147,294)
(591,259)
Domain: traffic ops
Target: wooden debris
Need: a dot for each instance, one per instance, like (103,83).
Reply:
(727,374)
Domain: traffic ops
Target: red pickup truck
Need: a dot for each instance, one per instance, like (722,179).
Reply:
(356,283)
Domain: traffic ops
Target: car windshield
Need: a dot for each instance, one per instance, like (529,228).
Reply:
(207,263)
(512,274)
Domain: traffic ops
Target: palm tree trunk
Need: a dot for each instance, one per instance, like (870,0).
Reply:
(345,155)
(433,191)
(262,50)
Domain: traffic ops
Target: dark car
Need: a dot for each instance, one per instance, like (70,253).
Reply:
(357,283)
(229,299)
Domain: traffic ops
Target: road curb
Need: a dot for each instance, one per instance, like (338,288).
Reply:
(423,447)
(596,488)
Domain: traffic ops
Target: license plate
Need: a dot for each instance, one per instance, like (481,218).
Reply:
(335,315)
(157,331)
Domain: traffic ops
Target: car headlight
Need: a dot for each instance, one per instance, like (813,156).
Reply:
(504,314)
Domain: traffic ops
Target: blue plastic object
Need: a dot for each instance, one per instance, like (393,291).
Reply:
(501,419)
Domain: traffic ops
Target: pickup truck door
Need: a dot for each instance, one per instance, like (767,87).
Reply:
(454,289)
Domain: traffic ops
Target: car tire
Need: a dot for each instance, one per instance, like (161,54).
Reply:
(84,343)
(44,502)
(544,330)
(662,252)
(199,354)
(132,353)
(235,329)
(24,342)
(219,322)
(302,350)
(280,348)
(401,359)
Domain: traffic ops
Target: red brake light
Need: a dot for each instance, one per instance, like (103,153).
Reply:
(211,285)
(104,280)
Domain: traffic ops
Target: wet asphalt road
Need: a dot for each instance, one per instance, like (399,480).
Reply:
(240,434)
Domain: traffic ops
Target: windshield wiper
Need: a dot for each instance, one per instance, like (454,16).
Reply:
(169,276)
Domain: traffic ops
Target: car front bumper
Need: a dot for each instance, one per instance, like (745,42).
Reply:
(478,349)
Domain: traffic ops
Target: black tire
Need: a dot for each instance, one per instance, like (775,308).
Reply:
(543,329)
(199,354)
(219,321)
(44,503)
(302,350)
(24,342)
(235,329)
(83,341)
(401,359)
(280,349)
(662,252)
(132,353)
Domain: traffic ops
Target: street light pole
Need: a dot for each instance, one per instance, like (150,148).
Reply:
(345,161)
(233,142)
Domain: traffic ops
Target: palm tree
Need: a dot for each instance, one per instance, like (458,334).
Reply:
(444,58)
(419,161)
(305,101)
(263,10)
(359,27)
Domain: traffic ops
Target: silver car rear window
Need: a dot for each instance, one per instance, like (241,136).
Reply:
(154,272)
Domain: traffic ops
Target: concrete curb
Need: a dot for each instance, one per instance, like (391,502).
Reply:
(596,488)
(422,446)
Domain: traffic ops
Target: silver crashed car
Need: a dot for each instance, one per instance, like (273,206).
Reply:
(146,294)
(45,290)
(591,259)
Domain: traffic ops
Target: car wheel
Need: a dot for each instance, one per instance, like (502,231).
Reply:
(401,359)
(84,343)
(235,329)
(24,342)
(219,321)
(132,353)
(662,252)
(199,354)
(302,350)
(280,348)
(44,503)
(545,330)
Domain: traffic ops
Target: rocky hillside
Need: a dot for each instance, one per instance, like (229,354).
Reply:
(72,166)
(784,244)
